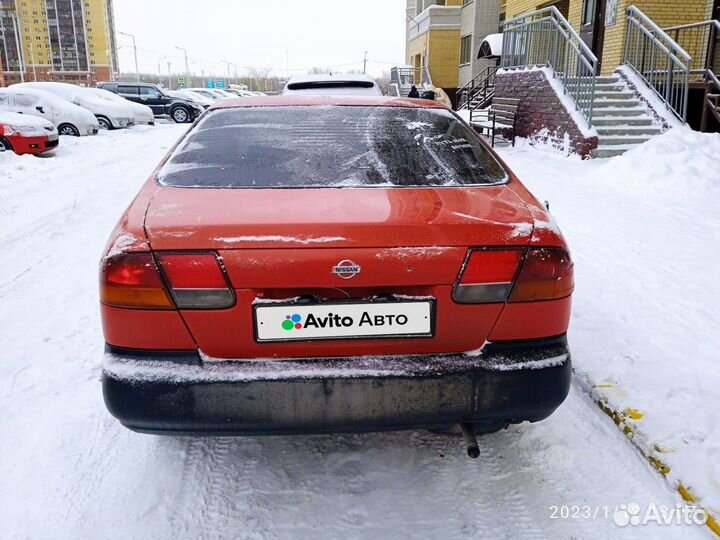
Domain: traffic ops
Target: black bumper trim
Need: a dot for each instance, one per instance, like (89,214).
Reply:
(177,393)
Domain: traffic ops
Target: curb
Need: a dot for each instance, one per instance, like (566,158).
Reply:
(626,420)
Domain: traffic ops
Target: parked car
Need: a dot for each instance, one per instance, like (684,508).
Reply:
(240,93)
(206,93)
(315,264)
(69,119)
(142,114)
(328,84)
(26,134)
(109,115)
(180,110)
(194,97)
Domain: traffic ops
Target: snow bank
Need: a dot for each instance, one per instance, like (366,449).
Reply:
(645,334)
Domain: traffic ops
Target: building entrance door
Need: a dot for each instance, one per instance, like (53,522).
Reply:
(593,26)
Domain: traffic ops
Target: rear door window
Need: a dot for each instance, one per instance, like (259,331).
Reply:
(127,90)
(330,146)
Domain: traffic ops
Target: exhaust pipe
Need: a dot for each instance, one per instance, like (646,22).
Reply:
(470,440)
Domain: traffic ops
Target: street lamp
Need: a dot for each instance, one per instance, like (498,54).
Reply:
(187,68)
(137,70)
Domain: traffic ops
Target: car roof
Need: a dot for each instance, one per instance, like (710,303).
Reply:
(292,100)
(322,77)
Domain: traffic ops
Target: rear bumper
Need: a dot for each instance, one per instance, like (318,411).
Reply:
(177,393)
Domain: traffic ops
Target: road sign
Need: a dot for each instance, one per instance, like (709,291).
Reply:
(219,84)
(181,81)
(211,84)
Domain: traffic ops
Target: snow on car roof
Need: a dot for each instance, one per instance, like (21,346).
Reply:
(320,101)
(13,118)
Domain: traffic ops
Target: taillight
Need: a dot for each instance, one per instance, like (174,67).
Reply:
(488,276)
(132,280)
(546,274)
(196,280)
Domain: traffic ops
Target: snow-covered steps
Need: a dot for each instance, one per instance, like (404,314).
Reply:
(628,129)
(621,119)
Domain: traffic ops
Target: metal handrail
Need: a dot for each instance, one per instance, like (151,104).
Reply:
(545,38)
(659,60)
(479,84)
(711,101)
(702,39)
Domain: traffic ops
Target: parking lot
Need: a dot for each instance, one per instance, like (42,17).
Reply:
(70,470)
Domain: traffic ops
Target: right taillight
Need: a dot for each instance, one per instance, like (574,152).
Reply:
(196,280)
(546,274)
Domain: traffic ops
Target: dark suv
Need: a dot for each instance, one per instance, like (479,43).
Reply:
(179,109)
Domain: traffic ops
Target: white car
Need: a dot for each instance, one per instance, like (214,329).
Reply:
(328,84)
(212,93)
(69,119)
(110,115)
(194,97)
(240,93)
(142,113)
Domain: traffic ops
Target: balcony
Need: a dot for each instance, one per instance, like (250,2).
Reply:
(435,18)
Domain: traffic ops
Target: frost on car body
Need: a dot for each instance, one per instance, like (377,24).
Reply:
(334,233)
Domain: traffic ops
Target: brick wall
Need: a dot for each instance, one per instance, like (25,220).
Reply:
(540,108)
(444,57)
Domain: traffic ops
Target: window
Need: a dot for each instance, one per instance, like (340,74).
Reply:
(335,146)
(24,101)
(148,91)
(127,90)
(589,12)
(465,49)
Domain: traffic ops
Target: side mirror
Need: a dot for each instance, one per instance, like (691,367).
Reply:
(40,109)
(158,95)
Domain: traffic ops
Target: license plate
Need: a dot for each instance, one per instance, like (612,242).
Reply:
(293,322)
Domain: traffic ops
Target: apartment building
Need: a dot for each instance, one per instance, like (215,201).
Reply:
(60,40)
(443,38)
(602,24)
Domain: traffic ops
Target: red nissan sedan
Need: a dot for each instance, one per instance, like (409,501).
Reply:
(323,264)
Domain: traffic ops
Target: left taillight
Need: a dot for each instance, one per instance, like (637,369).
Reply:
(132,280)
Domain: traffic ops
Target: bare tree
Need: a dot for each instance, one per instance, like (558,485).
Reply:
(259,76)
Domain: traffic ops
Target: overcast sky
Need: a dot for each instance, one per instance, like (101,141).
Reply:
(279,34)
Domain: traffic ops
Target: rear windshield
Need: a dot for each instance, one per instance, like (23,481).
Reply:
(332,146)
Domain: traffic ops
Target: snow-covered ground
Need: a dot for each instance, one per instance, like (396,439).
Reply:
(645,319)
(644,230)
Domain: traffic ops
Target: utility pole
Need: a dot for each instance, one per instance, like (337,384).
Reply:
(137,69)
(169,75)
(228,69)
(365,63)
(187,66)
(160,68)
(32,59)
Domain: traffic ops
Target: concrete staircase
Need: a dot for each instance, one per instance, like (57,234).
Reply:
(621,119)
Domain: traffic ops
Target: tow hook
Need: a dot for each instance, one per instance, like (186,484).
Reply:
(470,440)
